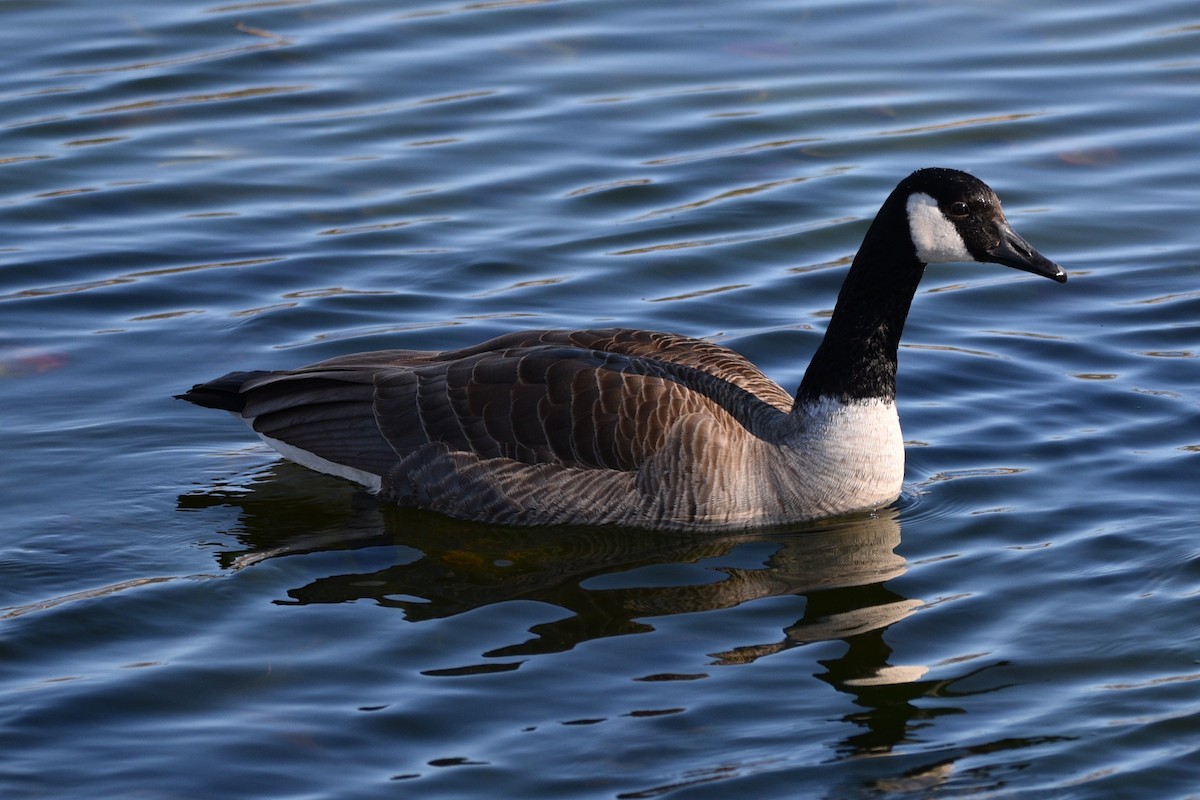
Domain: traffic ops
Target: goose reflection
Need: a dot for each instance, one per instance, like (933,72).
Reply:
(611,579)
(612,582)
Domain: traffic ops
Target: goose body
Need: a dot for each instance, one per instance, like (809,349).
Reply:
(639,428)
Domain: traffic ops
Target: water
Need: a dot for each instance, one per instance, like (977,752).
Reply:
(192,188)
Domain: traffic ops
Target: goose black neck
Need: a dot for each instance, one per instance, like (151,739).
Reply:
(857,358)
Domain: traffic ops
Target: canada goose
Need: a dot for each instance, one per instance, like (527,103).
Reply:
(632,427)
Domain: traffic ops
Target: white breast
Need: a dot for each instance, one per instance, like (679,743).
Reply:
(849,455)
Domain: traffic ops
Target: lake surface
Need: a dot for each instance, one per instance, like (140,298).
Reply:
(188,188)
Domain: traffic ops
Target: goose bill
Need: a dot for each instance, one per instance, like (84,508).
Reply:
(1013,251)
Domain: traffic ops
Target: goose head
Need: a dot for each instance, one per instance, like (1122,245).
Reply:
(934,215)
(953,216)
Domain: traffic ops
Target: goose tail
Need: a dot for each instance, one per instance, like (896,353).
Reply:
(223,394)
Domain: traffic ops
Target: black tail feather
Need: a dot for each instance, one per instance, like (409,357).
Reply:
(224,393)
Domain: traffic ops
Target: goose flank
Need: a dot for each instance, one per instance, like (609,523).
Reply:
(632,427)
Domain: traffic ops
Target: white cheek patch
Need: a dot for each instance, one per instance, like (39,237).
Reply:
(935,237)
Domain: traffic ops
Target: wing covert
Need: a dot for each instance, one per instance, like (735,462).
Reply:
(549,403)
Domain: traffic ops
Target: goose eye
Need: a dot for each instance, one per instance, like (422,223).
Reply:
(958,209)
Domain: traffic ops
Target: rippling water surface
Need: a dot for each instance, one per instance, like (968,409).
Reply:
(188,188)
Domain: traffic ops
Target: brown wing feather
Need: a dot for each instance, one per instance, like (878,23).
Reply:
(699,354)
(602,398)
(546,404)
(328,413)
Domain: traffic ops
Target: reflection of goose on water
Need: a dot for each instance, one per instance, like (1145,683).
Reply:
(830,582)
(609,582)
(637,428)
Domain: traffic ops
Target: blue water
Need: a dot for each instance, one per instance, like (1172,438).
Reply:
(188,188)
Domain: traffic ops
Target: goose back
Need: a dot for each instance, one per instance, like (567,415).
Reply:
(601,399)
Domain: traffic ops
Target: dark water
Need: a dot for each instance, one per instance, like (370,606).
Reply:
(189,188)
